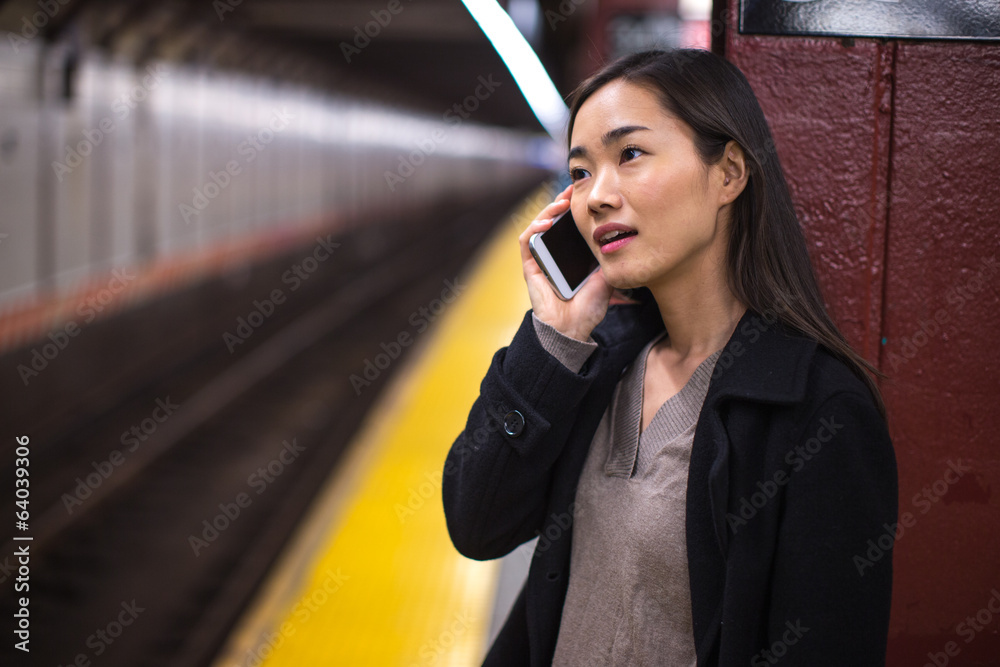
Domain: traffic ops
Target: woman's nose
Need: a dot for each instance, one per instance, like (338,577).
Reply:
(604,194)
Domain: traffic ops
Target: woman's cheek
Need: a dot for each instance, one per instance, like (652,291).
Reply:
(642,190)
(578,207)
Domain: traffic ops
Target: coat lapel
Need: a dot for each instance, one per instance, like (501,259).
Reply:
(762,362)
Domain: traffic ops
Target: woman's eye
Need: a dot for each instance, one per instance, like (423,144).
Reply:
(630,153)
(577,173)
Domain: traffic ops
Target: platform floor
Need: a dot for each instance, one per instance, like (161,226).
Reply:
(372,577)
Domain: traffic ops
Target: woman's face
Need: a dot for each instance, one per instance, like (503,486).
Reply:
(643,199)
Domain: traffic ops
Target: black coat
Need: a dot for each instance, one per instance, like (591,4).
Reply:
(791,500)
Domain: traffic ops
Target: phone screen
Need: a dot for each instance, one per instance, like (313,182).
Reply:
(569,250)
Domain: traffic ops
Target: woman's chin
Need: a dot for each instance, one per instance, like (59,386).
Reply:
(622,280)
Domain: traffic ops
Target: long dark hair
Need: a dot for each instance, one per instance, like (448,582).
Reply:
(769,267)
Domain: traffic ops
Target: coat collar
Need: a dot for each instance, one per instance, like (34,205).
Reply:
(762,361)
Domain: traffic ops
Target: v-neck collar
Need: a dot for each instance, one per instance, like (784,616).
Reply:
(626,412)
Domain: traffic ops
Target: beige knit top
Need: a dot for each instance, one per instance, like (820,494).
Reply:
(629,598)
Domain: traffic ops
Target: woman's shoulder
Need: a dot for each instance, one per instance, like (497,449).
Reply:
(768,360)
(833,384)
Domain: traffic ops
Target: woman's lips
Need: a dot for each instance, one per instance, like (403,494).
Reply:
(613,236)
(617,244)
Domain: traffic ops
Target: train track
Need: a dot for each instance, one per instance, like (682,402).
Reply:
(153,564)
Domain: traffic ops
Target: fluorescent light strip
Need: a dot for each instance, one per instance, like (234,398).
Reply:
(529,74)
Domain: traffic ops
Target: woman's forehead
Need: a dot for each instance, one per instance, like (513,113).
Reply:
(618,104)
(619,98)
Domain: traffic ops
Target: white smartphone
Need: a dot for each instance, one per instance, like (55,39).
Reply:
(564,256)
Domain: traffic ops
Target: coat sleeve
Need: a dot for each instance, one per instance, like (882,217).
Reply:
(832,576)
(496,478)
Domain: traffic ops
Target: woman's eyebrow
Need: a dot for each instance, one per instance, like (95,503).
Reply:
(619,132)
(609,137)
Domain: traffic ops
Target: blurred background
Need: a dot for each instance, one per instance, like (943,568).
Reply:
(255,257)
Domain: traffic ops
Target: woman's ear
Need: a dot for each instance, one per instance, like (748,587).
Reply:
(734,172)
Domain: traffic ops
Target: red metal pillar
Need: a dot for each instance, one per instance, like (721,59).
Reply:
(892,152)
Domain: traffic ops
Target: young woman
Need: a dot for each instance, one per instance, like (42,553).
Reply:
(707,464)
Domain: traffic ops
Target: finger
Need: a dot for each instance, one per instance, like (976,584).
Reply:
(561,197)
(535,227)
(546,215)
(554,208)
(541,222)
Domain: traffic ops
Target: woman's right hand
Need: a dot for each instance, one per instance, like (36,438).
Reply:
(577,317)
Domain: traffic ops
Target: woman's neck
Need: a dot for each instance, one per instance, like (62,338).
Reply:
(700,313)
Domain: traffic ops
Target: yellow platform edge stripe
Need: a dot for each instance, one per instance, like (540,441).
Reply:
(371,576)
